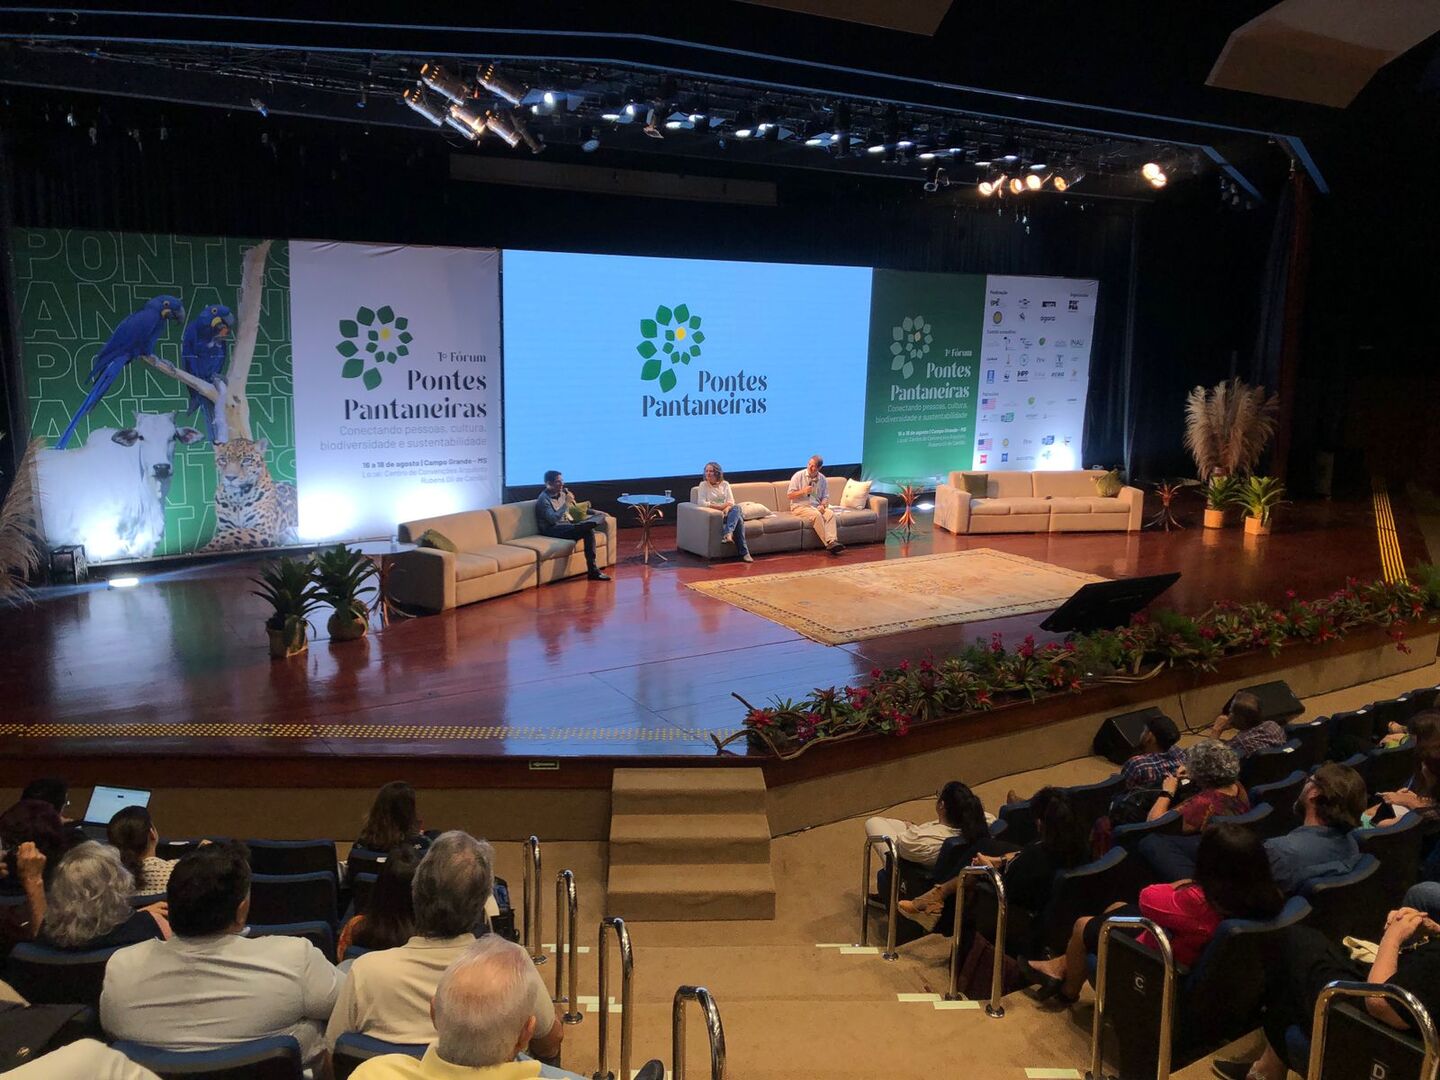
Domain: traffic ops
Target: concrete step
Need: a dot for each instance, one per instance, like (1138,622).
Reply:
(692,891)
(677,838)
(687,791)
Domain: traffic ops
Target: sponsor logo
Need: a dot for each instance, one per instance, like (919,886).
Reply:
(679,335)
(990,375)
(1004,442)
(1030,401)
(983,444)
(1048,318)
(1074,305)
(1077,343)
(910,343)
(1006,418)
(373,338)
(984,458)
(1023,375)
(1042,342)
(1024,301)
(1022,316)
(987,401)
(997,317)
(1004,457)
(1049,303)
(1047,440)
(994,301)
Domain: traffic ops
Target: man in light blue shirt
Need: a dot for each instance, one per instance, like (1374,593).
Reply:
(810,501)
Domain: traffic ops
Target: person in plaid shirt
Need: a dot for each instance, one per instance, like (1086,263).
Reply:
(1252,731)
(1159,755)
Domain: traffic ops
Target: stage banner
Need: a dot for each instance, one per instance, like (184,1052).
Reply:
(157,370)
(396,384)
(921,390)
(1035,371)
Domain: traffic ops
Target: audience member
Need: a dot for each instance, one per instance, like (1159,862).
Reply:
(1419,795)
(132,833)
(1408,956)
(483,1015)
(1252,731)
(88,903)
(88,1058)
(32,821)
(209,986)
(1423,728)
(50,789)
(1232,880)
(1214,771)
(957,813)
(388,920)
(22,921)
(1330,805)
(393,820)
(388,993)
(1157,756)
(714,491)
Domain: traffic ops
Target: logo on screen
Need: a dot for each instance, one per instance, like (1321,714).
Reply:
(910,343)
(1006,418)
(997,317)
(680,337)
(1074,305)
(1004,457)
(372,338)
(990,375)
(984,458)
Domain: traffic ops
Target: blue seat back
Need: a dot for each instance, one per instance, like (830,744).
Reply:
(174,849)
(1388,711)
(1352,730)
(1389,768)
(48,976)
(1313,739)
(1397,847)
(292,856)
(1129,836)
(288,898)
(1019,818)
(1268,765)
(362,887)
(1261,820)
(1347,904)
(1281,796)
(275,1058)
(352,1049)
(1357,1045)
(1420,699)
(319,934)
(1089,890)
(1091,801)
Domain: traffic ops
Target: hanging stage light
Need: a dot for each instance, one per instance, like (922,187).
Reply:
(589,140)
(1150,170)
(466,121)
(501,86)
(443,83)
(986,188)
(1017,186)
(1068,177)
(1034,181)
(503,125)
(415,98)
(1159,180)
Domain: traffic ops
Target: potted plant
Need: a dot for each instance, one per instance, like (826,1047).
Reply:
(1228,426)
(1260,495)
(1220,495)
(285,584)
(341,576)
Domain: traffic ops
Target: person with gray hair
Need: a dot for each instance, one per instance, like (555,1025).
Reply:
(88,903)
(1214,774)
(387,995)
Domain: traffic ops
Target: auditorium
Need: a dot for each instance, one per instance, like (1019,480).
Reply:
(753,539)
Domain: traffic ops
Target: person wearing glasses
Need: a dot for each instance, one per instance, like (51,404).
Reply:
(714,491)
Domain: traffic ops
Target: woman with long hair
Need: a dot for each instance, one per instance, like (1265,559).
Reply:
(713,491)
(88,903)
(958,812)
(132,833)
(388,920)
(393,819)
(1232,881)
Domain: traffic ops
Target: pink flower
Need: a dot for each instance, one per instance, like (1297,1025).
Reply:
(904,665)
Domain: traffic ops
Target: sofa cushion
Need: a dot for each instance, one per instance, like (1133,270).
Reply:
(845,516)
(434,538)
(989,507)
(1030,506)
(780,523)
(1108,485)
(467,530)
(1070,506)
(513,520)
(469,566)
(1012,485)
(515,556)
(754,511)
(977,484)
(1101,505)
(856,494)
(1071,483)
(556,547)
(761,493)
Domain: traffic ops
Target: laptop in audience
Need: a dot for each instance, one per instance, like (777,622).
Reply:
(105,803)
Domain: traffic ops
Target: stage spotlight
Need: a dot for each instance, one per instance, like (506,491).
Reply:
(1016,185)
(650,128)
(589,140)
(501,86)
(548,98)
(415,98)
(744,125)
(259,106)
(1034,181)
(466,121)
(1159,181)
(503,125)
(532,142)
(123,582)
(443,83)
(986,188)
(1067,178)
(1150,170)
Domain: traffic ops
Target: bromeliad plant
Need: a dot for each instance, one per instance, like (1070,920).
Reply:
(342,577)
(286,586)
(1259,496)
(1221,492)
(989,674)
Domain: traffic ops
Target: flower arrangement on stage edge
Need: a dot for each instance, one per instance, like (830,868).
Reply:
(989,674)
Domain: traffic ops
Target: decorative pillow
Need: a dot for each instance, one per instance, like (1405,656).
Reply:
(976,483)
(754,511)
(1108,485)
(578,511)
(433,538)
(856,495)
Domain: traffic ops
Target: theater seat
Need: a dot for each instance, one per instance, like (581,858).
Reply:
(1091,801)
(1313,738)
(275,1058)
(1281,796)
(292,856)
(1268,765)
(1129,836)
(290,898)
(1089,890)
(46,976)
(1388,768)
(1347,904)
(353,1049)
(319,934)
(1398,849)
(1356,1045)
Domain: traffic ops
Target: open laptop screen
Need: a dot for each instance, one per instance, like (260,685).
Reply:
(106,802)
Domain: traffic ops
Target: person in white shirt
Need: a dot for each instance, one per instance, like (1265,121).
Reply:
(387,995)
(714,491)
(209,986)
(810,501)
(88,1058)
(957,813)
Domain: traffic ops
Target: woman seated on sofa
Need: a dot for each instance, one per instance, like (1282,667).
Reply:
(88,903)
(714,491)
(1029,872)
(1232,881)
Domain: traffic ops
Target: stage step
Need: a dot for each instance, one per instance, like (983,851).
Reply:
(689,844)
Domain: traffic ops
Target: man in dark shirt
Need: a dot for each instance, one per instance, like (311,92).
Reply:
(551,507)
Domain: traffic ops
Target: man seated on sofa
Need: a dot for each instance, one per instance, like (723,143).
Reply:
(551,507)
(810,501)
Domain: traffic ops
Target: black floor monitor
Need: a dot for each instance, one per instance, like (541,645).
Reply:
(1103,605)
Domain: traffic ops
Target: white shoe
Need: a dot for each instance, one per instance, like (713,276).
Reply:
(727,538)
(746,557)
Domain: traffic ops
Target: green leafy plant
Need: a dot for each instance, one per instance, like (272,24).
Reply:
(679,336)
(1427,579)
(1260,495)
(342,576)
(286,586)
(1221,491)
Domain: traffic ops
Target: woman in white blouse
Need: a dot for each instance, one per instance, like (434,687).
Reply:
(714,492)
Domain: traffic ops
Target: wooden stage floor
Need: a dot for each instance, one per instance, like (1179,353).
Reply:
(177,670)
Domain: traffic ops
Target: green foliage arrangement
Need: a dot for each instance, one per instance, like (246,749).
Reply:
(1221,492)
(286,586)
(1259,496)
(342,577)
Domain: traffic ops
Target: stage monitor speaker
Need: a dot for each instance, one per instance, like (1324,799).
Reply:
(1104,605)
(1277,701)
(1119,736)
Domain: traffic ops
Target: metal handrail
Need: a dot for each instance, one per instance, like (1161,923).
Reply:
(713,1028)
(566,903)
(997,980)
(1167,992)
(627,999)
(1429,1066)
(894,853)
(532,901)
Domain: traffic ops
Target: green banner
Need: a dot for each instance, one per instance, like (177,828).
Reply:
(922,386)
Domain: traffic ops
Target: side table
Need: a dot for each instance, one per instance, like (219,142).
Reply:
(382,553)
(648,510)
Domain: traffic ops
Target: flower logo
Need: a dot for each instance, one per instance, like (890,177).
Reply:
(680,337)
(911,343)
(372,338)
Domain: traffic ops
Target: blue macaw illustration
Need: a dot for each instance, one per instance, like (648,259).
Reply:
(134,337)
(202,354)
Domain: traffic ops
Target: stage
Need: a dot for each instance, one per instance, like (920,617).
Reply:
(173,680)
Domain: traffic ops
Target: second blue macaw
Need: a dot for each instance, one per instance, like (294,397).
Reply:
(134,337)
(203,354)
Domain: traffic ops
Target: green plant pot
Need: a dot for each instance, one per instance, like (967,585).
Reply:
(342,628)
(283,644)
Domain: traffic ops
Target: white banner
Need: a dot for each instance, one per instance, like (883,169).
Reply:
(397,371)
(1034,372)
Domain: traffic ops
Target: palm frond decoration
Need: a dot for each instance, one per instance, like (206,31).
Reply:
(1228,426)
(19,543)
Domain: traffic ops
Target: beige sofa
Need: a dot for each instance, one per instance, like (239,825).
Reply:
(697,528)
(501,551)
(1061,501)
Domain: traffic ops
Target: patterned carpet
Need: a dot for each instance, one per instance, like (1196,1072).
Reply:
(839,604)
